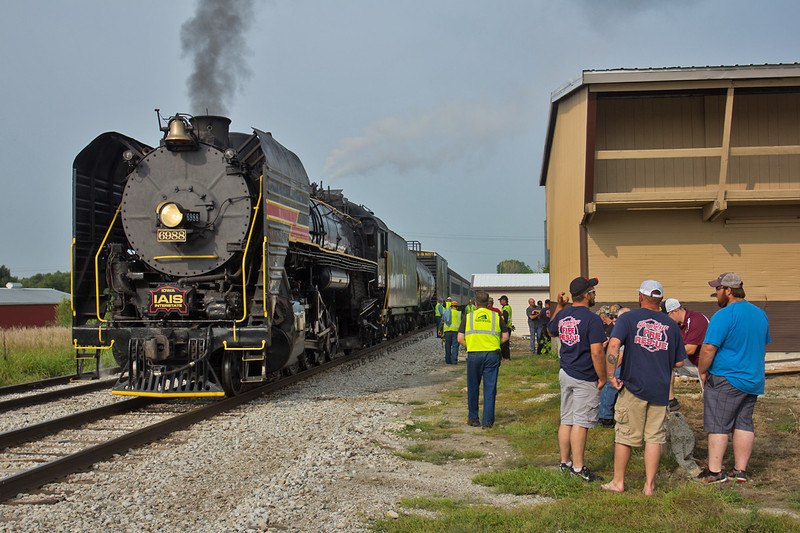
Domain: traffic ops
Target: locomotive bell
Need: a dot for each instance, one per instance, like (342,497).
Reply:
(178,138)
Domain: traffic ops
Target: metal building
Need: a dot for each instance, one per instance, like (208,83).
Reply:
(21,307)
(678,174)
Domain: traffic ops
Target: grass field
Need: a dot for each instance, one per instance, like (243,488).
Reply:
(528,419)
(29,354)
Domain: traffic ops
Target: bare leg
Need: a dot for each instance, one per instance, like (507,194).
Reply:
(742,447)
(622,454)
(652,455)
(717,444)
(563,442)
(577,441)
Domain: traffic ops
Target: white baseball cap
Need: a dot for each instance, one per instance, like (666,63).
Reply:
(671,305)
(651,287)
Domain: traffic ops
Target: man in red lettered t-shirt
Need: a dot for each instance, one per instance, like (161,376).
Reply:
(693,331)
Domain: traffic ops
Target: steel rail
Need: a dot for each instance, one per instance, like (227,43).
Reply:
(42,397)
(27,480)
(19,436)
(50,382)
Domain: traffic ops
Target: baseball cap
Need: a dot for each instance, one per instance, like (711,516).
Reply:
(504,297)
(580,285)
(651,287)
(671,305)
(728,279)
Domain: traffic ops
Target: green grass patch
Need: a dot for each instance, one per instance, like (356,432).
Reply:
(438,427)
(29,354)
(435,503)
(532,480)
(689,508)
(425,452)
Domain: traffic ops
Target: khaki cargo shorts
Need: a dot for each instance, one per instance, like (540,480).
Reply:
(639,421)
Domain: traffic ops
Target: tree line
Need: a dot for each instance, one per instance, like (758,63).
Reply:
(53,280)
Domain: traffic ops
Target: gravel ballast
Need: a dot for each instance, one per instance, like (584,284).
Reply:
(318,456)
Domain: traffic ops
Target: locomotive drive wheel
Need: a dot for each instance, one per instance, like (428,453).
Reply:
(232,374)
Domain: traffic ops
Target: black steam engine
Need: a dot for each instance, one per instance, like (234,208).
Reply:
(210,263)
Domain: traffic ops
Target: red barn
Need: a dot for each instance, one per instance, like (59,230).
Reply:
(21,307)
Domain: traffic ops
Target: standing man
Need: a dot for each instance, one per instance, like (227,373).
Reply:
(582,373)
(544,316)
(693,330)
(437,315)
(653,348)
(731,370)
(481,332)
(534,322)
(505,346)
(451,320)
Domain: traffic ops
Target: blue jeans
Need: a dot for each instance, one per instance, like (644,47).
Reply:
(482,365)
(438,323)
(536,333)
(608,397)
(451,347)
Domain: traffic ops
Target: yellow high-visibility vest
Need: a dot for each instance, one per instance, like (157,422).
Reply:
(455,320)
(482,331)
(507,308)
(437,311)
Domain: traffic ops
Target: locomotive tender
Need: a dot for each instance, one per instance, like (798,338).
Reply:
(210,263)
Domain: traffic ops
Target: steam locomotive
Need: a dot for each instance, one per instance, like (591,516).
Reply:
(210,263)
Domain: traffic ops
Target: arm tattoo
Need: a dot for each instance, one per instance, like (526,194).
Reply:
(612,358)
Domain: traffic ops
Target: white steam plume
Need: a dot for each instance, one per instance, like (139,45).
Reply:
(456,130)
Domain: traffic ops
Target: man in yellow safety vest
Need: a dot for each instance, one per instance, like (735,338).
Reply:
(505,351)
(451,319)
(482,332)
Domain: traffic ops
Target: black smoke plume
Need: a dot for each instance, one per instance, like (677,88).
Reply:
(215,40)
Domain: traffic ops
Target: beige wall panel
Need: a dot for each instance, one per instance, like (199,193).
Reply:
(765,120)
(680,175)
(682,252)
(565,189)
(647,123)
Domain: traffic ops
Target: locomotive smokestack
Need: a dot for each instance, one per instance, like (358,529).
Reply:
(213,130)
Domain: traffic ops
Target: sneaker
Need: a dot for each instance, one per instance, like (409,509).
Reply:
(473,423)
(586,474)
(674,405)
(566,467)
(707,476)
(739,475)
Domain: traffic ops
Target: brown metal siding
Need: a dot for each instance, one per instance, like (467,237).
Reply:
(784,318)
(15,316)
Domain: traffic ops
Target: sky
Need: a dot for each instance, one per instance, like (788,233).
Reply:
(431,113)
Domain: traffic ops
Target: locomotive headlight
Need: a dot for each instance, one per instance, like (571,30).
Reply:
(170,214)
(230,155)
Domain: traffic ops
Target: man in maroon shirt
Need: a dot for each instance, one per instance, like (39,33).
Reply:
(693,330)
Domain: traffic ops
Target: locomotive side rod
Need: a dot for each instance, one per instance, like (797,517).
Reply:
(36,477)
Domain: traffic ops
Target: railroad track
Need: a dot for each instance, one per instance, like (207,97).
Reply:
(49,382)
(31,464)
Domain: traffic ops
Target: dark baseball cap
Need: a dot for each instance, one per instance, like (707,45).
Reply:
(579,286)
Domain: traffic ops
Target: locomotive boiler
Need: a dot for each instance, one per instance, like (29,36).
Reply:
(210,263)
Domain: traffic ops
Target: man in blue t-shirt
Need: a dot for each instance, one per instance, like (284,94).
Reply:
(582,373)
(653,348)
(731,368)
